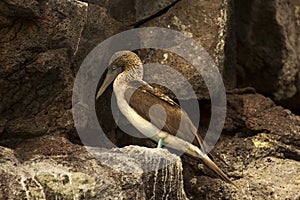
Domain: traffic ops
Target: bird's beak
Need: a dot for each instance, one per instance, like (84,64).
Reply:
(109,78)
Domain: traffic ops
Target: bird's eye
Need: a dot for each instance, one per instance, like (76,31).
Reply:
(114,67)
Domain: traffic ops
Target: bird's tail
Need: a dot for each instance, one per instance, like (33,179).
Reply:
(209,163)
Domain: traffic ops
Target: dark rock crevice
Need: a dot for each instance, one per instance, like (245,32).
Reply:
(158,14)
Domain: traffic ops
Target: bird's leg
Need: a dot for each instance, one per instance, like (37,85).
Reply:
(160,143)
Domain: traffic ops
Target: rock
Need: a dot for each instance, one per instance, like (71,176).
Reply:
(130,13)
(37,40)
(259,185)
(259,113)
(42,47)
(98,26)
(260,180)
(68,171)
(269,126)
(208,23)
(268,48)
(136,11)
(262,158)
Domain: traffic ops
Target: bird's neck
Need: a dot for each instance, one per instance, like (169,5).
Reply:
(124,79)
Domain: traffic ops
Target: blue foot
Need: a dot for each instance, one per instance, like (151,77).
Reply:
(160,143)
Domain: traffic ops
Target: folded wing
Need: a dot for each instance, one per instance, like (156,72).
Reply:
(168,116)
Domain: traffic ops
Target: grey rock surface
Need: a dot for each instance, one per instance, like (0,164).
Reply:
(61,170)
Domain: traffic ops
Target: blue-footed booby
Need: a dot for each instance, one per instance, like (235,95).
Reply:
(135,97)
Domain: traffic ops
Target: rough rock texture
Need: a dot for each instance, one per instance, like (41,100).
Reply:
(194,19)
(136,11)
(59,169)
(37,42)
(106,18)
(263,156)
(268,35)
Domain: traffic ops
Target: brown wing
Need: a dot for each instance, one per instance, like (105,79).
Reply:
(148,102)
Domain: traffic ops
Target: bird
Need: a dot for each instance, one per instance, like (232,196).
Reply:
(135,97)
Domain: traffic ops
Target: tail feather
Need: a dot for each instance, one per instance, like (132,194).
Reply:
(209,163)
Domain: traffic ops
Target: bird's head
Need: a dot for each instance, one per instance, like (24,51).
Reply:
(122,61)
